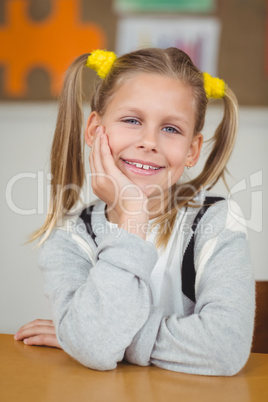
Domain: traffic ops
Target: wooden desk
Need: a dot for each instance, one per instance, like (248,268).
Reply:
(40,374)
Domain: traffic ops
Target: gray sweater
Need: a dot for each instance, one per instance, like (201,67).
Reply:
(98,287)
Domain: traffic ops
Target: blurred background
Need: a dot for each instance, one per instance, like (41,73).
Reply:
(40,38)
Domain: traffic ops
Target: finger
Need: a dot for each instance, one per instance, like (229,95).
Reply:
(93,154)
(98,178)
(34,330)
(43,340)
(36,322)
(109,165)
(106,154)
(96,153)
(99,131)
(33,324)
(104,146)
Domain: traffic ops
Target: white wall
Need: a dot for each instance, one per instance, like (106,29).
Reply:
(26,133)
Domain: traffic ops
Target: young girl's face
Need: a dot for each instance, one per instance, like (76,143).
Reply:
(150,124)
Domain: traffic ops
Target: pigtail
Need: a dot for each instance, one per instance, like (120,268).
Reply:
(223,143)
(67,153)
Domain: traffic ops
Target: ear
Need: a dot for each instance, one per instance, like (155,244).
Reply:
(194,150)
(93,122)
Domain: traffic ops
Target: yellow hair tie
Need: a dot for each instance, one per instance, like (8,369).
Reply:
(214,87)
(101,61)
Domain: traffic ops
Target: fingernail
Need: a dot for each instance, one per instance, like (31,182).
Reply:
(16,336)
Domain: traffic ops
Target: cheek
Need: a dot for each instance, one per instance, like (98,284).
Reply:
(177,156)
(177,161)
(119,138)
(116,141)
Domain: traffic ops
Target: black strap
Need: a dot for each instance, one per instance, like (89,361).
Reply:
(188,268)
(86,217)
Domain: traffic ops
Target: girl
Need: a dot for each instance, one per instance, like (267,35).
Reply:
(157,271)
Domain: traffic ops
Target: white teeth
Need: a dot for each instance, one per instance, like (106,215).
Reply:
(141,166)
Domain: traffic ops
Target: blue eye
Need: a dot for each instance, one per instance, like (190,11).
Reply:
(171,130)
(132,121)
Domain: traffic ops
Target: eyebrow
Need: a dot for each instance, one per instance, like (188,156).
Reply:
(167,118)
(175,117)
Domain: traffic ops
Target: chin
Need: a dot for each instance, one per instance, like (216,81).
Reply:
(159,194)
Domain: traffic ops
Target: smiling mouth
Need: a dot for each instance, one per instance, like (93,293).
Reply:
(141,166)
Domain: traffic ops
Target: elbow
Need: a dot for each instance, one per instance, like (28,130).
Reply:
(92,354)
(99,363)
(231,360)
(91,357)
(231,350)
(230,368)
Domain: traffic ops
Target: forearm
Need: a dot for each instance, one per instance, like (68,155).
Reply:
(96,320)
(98,334)
(204,344)
(216,338)
(207,343)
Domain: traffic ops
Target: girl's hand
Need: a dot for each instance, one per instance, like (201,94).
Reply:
(38,333)
(114,188)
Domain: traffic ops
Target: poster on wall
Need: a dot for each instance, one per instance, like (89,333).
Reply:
(198,37)
(126,6)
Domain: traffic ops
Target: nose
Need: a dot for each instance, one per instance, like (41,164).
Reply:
(148,140)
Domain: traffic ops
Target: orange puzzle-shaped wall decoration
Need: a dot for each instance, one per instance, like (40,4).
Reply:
(51,44)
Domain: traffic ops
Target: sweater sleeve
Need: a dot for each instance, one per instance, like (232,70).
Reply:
(216,338)
(97,309)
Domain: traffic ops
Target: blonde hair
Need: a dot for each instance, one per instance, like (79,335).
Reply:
(67,154)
